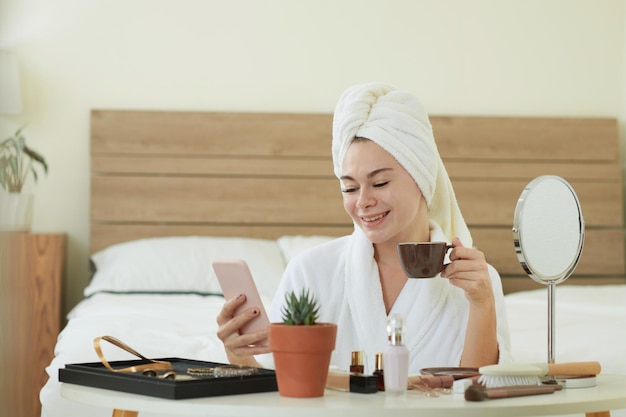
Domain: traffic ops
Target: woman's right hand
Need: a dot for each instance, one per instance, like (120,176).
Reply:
(240,349)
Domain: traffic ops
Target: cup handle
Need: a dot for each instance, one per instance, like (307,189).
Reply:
(448,247)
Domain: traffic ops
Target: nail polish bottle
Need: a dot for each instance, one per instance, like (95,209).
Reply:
(356,363)
(379,372)
(396,357)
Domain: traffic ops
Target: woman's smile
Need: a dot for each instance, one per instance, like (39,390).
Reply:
(374,220)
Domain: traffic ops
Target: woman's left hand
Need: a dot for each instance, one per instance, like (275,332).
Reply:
(468,270)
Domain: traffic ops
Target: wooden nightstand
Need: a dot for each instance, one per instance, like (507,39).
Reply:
(31,272)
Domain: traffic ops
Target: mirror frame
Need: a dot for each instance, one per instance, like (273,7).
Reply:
(518,232)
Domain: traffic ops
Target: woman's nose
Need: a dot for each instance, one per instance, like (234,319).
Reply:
(366,199)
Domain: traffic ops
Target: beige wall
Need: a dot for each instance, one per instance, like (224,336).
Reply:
(472,57)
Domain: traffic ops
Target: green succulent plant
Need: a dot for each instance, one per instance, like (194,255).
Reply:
(16,163)
(300,309)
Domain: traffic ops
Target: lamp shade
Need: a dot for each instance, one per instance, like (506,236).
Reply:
(10,97)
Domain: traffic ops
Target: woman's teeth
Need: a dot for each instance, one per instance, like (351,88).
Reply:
(373,219)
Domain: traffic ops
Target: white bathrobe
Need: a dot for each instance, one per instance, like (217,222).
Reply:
(343,275)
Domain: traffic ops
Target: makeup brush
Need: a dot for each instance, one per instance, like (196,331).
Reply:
(477,393)
(493,376)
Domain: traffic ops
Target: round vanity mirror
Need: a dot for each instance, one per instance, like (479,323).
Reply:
(548,229)
(548,233)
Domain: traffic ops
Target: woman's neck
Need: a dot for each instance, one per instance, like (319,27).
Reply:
(387,252)
(392,276)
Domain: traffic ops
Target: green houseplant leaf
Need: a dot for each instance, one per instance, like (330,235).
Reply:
(302,309)
(17,161)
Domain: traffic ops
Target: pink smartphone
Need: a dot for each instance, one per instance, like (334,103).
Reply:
(235,278)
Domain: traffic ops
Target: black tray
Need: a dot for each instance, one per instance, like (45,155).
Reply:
(95,375)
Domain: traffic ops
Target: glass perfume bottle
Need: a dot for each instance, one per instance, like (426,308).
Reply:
(356,363)
(379,371)
(396,357)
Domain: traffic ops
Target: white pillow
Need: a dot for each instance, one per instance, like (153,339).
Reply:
(290,246)
(182,264)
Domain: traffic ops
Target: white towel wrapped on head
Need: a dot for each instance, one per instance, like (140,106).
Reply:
(397,122)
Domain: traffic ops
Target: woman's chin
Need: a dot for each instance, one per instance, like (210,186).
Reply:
(375,236)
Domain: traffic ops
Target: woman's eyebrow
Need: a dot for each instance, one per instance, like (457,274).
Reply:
(369,175)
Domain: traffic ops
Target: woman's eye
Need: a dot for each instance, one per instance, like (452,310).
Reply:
(381,184)
(348,190)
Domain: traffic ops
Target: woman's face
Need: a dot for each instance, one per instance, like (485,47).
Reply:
(381,197)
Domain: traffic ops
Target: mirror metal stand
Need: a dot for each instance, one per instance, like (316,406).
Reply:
(551,321)
(548,234)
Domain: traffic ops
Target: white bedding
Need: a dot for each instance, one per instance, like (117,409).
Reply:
(590,325)
(590,321)
(155,325)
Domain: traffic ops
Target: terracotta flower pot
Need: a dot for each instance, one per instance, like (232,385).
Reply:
(301,357)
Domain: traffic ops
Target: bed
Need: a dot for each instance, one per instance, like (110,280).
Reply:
(171,191)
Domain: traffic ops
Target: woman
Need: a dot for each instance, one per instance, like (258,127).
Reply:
(396,189)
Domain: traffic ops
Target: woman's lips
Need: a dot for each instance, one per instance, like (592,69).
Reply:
(375,220)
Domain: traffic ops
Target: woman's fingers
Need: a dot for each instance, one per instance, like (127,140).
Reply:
(239,348)
(229,308)
(468,270)
(228,322)
(247,344)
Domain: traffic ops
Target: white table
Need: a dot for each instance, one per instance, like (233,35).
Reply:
(609,394)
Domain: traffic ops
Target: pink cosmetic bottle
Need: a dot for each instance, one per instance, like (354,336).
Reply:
(396,357)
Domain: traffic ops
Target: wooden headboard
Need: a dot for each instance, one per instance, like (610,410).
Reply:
(266,175)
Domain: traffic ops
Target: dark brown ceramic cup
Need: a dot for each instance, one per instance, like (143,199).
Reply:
(422,259)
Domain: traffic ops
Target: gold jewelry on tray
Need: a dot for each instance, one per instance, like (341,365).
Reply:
(151,369)
(153,366)
(200,371)
(153,374)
